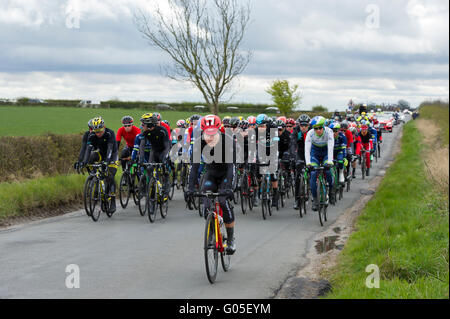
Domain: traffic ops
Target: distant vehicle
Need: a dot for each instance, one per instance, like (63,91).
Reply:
(386,123)
(272,108)
(89,103)
(232,108)
(163,107)
(37,101)
(199,107)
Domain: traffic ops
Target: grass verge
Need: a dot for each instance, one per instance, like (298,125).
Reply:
(404,230)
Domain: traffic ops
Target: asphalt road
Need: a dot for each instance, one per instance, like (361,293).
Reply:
(127,257)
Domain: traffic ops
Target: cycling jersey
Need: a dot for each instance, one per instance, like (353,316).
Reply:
(83,146)
(323,143)
(340,147)
(129,137)
(283,144)
(297,144)
(159,143)
(106,145)
(167,127)
(137,144)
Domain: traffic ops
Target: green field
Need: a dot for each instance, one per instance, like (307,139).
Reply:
(26,121)
(404,230)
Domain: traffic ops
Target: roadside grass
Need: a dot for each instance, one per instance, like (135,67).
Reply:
(404,230)
(26,121)
(19,199)
(439,113)
(43,194)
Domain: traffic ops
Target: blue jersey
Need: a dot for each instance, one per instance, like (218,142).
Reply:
(137,143)
(340,144)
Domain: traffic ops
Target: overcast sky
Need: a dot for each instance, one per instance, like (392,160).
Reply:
(370,51)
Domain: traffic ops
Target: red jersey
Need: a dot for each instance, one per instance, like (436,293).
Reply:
(129,137)
(349,137)
(167,128)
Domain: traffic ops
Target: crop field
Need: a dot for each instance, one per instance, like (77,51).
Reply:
(27,121)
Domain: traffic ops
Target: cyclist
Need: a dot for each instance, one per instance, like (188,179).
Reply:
(163,124)
(297,145)
(290,123)
(264,124)
(159,141)
(219,175)
(138,139)
(349,137)
(340,147)
(129,132)
(251,121)
(337,116)
(83,145)
(319,147)
(364,140)
(101,144)
(285,140)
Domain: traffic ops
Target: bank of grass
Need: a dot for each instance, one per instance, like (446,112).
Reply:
(438,112)
(404,230)
(21,199)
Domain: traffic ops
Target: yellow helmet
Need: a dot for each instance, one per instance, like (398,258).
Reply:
(240,118)
(188,121)
(145,118)
(363,113)
(98,124)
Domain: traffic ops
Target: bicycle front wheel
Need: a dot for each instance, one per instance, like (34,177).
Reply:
(86,194)
(124,190)
(211,252)
(95,199)
(224,257)
(150,200)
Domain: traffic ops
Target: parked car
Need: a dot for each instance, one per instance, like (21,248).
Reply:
(272,108)
(163,107)
(199,107)
(232,108)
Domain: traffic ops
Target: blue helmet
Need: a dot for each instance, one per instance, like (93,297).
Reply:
(317,121)
(261,119)
(327,122)
(335,125)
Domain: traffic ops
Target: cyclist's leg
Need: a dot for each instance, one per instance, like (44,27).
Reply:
(228,214)
(126,152)
(112,170)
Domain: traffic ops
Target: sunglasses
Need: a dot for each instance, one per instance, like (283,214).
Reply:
(99,130)
(304,125)
(336,130)
(318,128)
(127,125)
(289,125)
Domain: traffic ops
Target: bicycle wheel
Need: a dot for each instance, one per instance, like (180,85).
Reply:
(211,253)
(264,200)
(163,207)
(321,204)
(172,185)
(142,186)
(86,195)
(124,190)
(301,197)
(201,207)
(95,199)
(134,188)
(151,200)
(244,192)
(224,257)
(363,167)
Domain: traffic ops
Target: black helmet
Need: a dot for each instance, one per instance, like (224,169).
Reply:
(244,124)
(234,122)
(127,119)
(195,117)
(280,123)
(90,125)
(344,125)
(303,119)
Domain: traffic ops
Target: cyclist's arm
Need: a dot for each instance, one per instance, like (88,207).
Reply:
(83,147)
(330,145)
(308,148)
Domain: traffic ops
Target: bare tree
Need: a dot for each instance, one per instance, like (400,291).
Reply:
(202,37)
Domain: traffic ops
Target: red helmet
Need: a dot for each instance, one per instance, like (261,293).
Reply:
(290,121)
(364,127)
(251,120)
(282,118)
(210,124)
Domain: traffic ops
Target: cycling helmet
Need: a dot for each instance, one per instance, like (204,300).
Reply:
(90,125)
(303,119)
(181,123)
(318,121)
(210,124)
(344,125)
(364,127)
(240,118)
(353,129)
(195,117)
(282,118)
(335,126)
(98,124)
(127,120)
(251,120)
(226,121)
(149,118)
(262,119)
(244,124)
(188,121)
(234,122)
(158,116)
(290,121)
(327,122)
(166,121)
(280,124)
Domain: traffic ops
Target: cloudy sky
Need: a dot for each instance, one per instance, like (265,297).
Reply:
(370,51)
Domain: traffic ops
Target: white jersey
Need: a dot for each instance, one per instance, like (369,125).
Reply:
(325,140)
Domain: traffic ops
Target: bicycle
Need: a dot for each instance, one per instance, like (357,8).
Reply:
(302,180)
(128,185)
(246,192)
(98,191)
(215,238)
(323,193)
(265,189)
(154,193)
(363,162)
(80,170)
